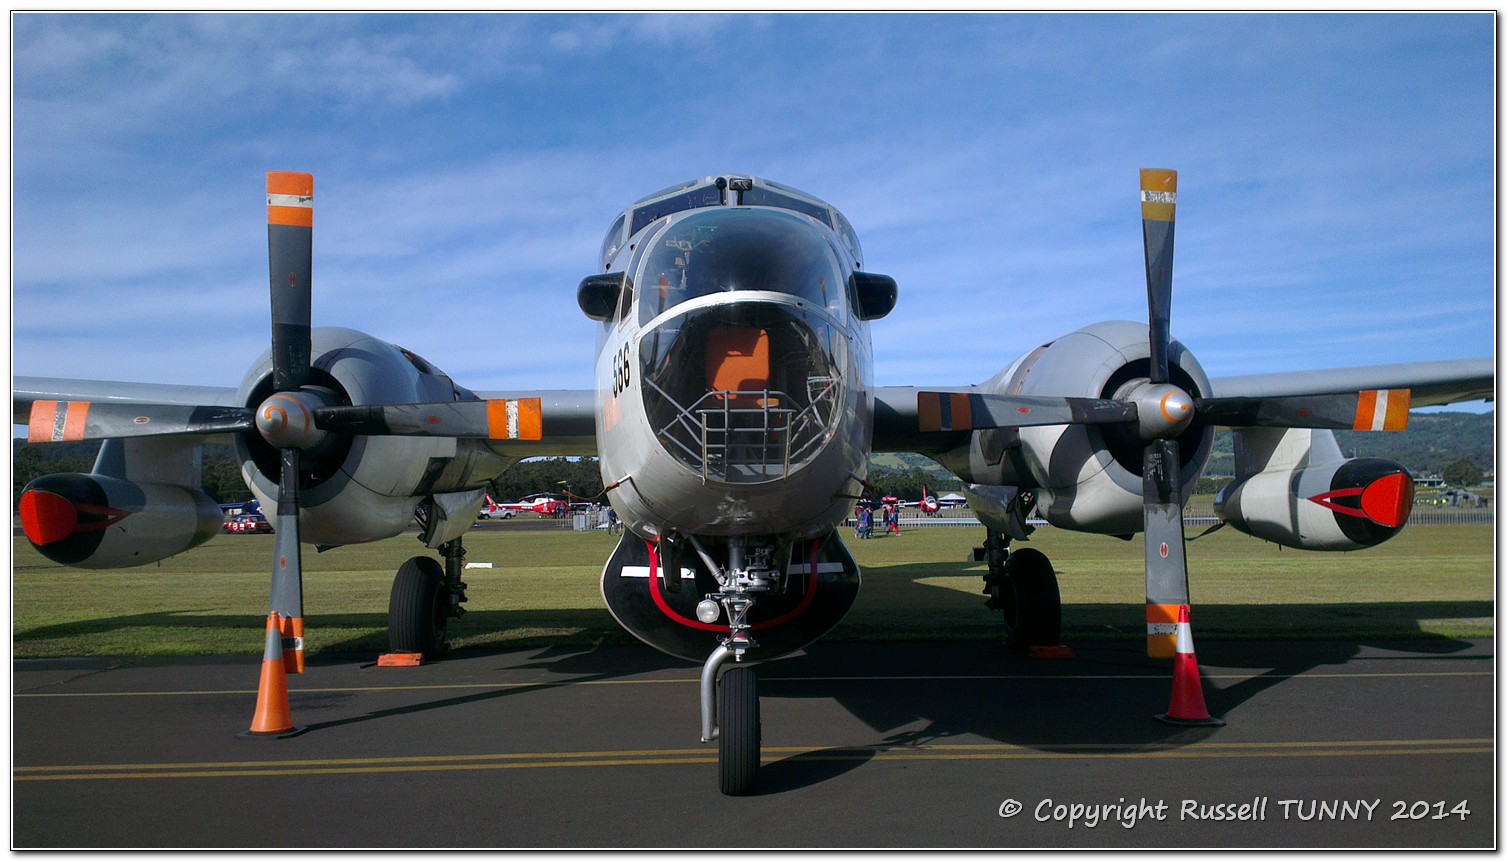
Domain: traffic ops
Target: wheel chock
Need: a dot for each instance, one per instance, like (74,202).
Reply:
(400,659)
(1059,651)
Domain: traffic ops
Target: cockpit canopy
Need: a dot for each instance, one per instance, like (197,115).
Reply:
(724,250)
(722,191)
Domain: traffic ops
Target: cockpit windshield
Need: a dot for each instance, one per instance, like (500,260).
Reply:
(724,250)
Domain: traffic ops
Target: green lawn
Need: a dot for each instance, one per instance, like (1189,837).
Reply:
(1427,582)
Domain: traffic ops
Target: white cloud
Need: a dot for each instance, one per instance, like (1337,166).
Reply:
(1337,198)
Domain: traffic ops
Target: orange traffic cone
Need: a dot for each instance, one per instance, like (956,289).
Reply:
(1187,707)
(273,719)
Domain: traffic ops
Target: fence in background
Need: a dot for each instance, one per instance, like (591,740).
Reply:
(1204,516)
(1200,516)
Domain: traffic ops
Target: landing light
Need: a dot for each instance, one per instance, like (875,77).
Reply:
(707,611)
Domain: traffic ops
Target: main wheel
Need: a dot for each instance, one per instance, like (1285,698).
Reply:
(1029,601)
(418,608)
(738,731)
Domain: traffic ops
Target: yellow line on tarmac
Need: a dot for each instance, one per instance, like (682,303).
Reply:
(683,756)
(499,686)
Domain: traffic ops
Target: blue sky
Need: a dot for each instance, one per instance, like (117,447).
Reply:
(1336,200)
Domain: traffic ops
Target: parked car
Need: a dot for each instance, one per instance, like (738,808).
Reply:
(500,514)
(253,523)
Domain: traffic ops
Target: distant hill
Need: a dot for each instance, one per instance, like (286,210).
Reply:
(1432,441)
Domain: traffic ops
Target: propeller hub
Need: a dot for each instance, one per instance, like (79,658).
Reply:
(1163,410)
(286,420)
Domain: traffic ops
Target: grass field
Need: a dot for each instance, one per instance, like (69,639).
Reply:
(1427,582)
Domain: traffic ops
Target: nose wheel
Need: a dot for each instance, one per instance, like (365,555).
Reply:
(730,698)
(738,726)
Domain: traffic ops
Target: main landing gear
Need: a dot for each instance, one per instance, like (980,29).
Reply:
(1022,586)
(730,695)
(426,596)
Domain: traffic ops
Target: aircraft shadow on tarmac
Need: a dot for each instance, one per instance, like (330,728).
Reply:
(1037,704)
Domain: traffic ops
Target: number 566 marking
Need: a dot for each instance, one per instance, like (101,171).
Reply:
(621,372)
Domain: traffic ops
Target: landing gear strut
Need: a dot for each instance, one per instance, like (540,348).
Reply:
(426,596)
(730,698)
(1023,587)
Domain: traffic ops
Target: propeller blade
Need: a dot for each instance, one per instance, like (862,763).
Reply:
(494,419)
(1166,567)
(290,249)
(287,566)
(67,421)
(1159,196)
(290,253)
(972,411)
(1371,410)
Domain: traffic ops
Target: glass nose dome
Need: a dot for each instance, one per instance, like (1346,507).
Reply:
(723,250)
(743,392)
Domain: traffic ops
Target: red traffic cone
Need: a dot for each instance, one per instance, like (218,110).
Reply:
(1187,707)
(272,719)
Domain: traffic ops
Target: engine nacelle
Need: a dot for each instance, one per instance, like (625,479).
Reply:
(1342,506)
(1088,477)
(101,522)
(361,489)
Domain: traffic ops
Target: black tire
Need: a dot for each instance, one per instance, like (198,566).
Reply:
(738,731)
(418,608)
(1029,601)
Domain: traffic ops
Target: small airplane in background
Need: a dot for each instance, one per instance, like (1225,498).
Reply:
(733,418)
(927,505)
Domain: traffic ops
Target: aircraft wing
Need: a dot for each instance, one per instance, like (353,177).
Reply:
(568,426)
(897,423)
(1429,383)
(568,423)
(25,390)
(897,420)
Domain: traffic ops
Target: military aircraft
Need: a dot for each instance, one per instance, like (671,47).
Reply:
(926,505)
(733,418)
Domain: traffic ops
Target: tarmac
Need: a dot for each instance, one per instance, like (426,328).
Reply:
(1327,744)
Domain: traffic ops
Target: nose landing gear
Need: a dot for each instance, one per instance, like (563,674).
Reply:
(730,697)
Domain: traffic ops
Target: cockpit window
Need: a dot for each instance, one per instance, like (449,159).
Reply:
(764,196)
(703,196)
(850,239)
(612,242)
(740,249)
